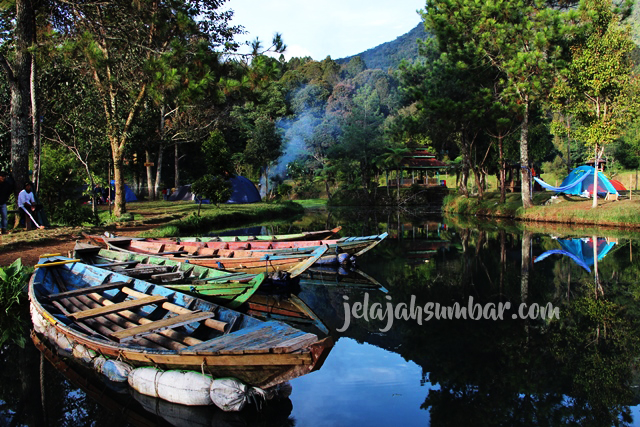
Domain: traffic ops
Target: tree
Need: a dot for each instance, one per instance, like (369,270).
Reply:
(361,140)
(264,147)
(519,39)
(598,80)
(120,41)
(215,188)
(18,75)
(217,154)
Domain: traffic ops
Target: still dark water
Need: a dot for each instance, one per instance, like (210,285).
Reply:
(580,368)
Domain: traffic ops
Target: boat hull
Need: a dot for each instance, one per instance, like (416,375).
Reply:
(261,367)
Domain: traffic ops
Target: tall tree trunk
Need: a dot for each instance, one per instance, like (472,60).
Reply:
(595,179)
(35,122)
(19,83)
(176,169)
(524,158)
(120,206)
(156,188)
(149,169)
(476,174)
(465,171)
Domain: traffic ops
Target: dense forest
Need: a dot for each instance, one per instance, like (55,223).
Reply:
(154,93)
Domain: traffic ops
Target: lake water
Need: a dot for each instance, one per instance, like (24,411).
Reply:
(579,368)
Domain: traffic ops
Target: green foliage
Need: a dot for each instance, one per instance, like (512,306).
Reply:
(72,213)
(391,54)
(217,154)
(284,190)
(214,188)
(13,280)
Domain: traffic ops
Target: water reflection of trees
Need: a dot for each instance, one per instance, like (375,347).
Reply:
(578,369)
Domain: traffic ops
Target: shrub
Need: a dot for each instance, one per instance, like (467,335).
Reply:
(214,188)
(72,213)
(12,281)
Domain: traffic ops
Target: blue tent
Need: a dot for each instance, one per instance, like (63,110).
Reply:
(580,183)
(242,191)
(580,250)
(129,195)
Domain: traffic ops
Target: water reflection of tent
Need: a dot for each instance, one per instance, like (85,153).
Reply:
(580,182)
(581,250)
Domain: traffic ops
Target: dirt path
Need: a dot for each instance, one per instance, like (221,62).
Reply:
(62,244)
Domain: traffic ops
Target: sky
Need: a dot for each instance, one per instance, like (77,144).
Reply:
(336,28)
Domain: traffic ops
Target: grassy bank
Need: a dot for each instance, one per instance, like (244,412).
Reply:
(563,210)
(225,216)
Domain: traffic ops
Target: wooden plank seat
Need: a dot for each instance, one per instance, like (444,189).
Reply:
(173,253)
(125,305)
(169,276)
(88,290)
(117,264)
(229,277)
(160,325)
(258,339)
(149,270)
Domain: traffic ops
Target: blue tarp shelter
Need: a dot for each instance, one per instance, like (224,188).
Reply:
(129,195)
(581,250)
(580,183)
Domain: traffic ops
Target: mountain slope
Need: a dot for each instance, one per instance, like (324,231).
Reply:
(389,54)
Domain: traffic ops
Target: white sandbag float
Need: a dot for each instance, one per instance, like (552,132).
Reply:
(193,388)
(230,394)
(183,387)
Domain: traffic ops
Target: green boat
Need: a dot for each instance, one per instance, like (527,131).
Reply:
(230,289)
(305,235)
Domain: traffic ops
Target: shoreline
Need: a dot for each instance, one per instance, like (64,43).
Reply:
(563,210)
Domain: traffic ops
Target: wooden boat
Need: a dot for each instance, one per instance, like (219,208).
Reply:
(232,289)
(227,288)
(99,312)
(306,235)
(338,251)
(240,261)
(349,245)
(355,246)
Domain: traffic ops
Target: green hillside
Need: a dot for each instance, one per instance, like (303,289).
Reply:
(389,54)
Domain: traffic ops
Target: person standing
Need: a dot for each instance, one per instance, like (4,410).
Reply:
(6,188)
(27,206)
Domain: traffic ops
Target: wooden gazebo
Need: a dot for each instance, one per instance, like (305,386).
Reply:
(424,168)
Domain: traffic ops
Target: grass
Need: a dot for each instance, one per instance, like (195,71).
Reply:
(565,209)
(225,216)
(312,203)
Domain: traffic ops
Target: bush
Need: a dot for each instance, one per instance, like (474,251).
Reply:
(12,281)
(214,188)
(284,190)
(72,214)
